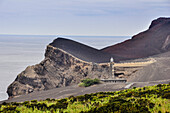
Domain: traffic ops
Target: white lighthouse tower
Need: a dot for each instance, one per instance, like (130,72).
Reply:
(112,78)
(111,67)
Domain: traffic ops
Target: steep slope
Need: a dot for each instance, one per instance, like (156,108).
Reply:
(58,69)
(82,51)
(153,41)
(67,62)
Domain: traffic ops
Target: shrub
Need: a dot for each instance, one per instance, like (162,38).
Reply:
(159,85)
(62,100)
(159,112)
(81,85)
(119,105)
(96,81)
(39,106)
(80,98)
(134,87)
(15,103)
(26,102)
(88,82)
(53,99)
(34,101)
(58,105)
(128,101)
(166,95)
(129,94)
(10,109)
(72,99)
(151,105)
(48,99)
(4,103)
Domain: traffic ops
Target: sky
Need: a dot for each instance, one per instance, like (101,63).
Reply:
(80,17)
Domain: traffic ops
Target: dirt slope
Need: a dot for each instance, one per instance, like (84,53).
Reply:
(153,41)
(160,70)
(82,51)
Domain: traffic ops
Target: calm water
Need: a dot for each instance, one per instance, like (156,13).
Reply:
(18,52)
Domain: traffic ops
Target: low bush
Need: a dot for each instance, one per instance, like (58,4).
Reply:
(34,101)
(166,95)
(152,99)
(10,109)
(58,105)
(88,82)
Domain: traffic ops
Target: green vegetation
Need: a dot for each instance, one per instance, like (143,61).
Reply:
(151,99)
(88,82)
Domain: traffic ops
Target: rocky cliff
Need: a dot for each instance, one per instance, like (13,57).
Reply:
(153,41)
(67,62)
(58,69)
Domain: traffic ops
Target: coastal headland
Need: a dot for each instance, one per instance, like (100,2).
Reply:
(142,60)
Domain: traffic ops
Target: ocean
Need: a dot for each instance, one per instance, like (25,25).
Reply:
(19,51)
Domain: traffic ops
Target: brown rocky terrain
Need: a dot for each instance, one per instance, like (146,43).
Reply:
(58,69)
(153,41)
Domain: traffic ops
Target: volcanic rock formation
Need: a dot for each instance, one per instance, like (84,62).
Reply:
(82,51)
(153,41)
(67,62)
(60,68)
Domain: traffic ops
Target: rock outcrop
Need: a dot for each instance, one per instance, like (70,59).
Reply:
(67,62)
(58,69)
(153,41)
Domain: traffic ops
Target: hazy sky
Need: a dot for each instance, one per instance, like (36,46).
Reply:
(80,17)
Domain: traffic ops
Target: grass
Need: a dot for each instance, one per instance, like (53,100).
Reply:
(151,99)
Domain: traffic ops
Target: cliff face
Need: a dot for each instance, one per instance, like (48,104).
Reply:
(153,41)
(67,62)
(58,69)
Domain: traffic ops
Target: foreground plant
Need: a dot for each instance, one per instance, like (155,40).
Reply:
(151,99)
(88,82)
